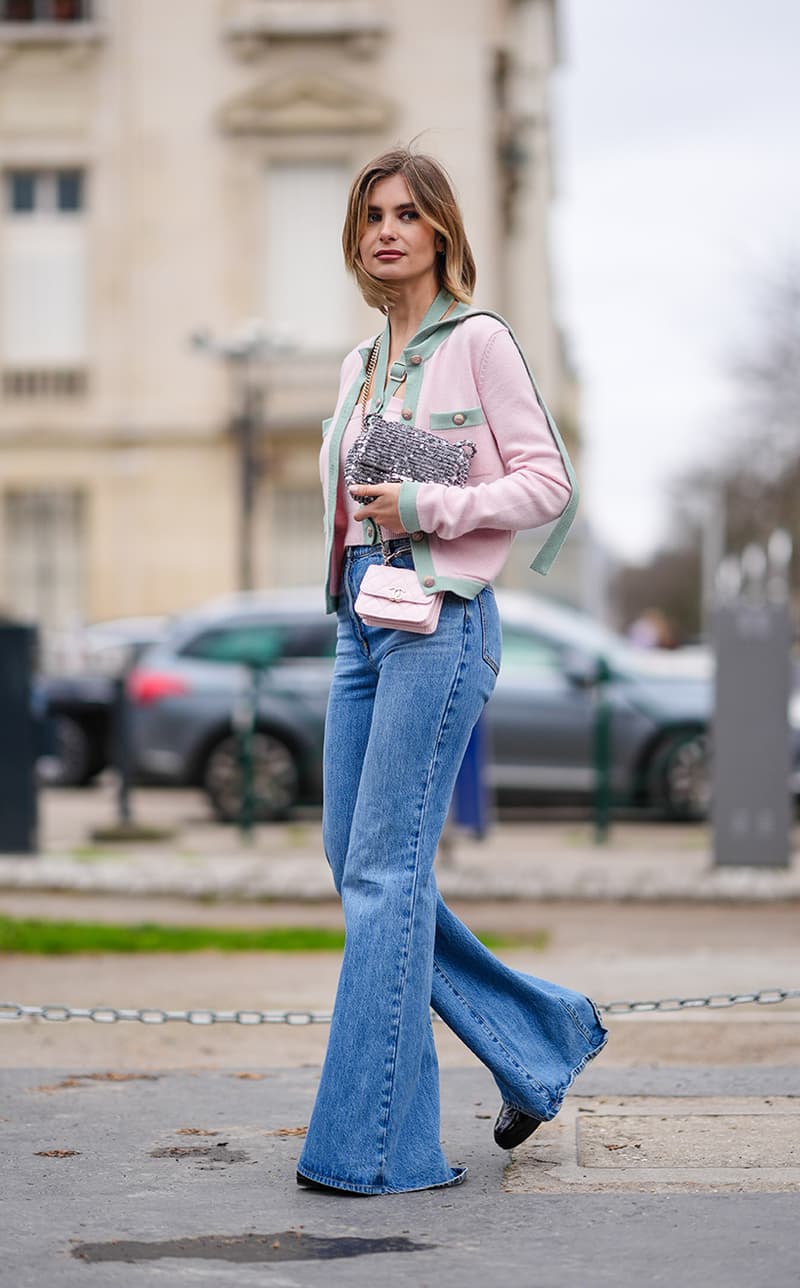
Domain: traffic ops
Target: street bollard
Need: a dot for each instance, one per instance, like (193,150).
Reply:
(121,749)
(752,802)
(18,801)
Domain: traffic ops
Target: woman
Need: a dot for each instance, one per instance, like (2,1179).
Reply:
(402,705)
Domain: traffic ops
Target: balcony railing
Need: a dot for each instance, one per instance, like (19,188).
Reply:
(359,23)
(48,22)
(36,383)
(26,11)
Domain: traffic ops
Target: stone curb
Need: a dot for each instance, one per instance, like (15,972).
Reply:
(304,876)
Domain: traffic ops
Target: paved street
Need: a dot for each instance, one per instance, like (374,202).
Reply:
(188,1178)
(168,1152)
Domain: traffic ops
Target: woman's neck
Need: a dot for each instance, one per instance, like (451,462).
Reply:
(414,300)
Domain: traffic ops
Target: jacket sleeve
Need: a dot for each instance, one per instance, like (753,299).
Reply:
(535,488)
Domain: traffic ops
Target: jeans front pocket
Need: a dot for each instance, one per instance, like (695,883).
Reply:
(491,638)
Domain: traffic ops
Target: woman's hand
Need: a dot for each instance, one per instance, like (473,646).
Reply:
(384,509)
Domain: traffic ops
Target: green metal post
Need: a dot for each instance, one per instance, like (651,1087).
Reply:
(246,759)
(602,754)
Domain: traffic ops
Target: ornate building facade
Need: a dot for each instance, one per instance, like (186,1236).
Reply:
(174,170)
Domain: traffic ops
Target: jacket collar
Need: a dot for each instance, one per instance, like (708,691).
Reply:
(431,325)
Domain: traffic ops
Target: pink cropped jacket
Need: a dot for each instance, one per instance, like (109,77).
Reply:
(465,377)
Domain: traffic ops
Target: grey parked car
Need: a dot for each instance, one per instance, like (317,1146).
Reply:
(189,694)
(187,691)
(544,709)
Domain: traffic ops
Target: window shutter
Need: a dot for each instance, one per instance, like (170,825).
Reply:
(44,292)
(306,289)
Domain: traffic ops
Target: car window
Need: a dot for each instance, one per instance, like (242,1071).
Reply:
(311,639)
(528,653)
(256,644)
(263,643)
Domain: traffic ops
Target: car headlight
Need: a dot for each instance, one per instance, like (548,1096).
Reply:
(794,710)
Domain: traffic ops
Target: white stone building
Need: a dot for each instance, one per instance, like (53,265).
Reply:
(172,165)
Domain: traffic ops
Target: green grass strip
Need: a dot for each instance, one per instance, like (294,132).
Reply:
(62,938)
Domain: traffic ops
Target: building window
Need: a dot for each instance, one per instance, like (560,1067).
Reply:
(44,192)
(21,192)
(45,10)
(307,294)
(43,316)
(44,556)
(69,191)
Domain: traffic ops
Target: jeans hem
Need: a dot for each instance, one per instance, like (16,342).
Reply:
(590,1055)
(551,1100)
(458,1174)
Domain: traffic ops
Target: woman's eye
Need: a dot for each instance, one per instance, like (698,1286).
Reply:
(373,217)
(410,214)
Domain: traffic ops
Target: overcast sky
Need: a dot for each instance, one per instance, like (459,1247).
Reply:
(678,190)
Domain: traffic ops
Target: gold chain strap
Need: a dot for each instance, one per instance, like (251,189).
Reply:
(363,399)
(369,375)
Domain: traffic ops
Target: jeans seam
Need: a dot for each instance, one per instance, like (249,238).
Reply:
(355,620)
(487,657)
(490,1032)
(389,1075)
(573,1014)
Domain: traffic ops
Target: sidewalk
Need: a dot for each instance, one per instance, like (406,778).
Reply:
(531,860)
(140,1153)
(188,1177)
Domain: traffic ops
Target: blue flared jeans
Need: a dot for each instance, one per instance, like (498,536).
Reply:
(401,710)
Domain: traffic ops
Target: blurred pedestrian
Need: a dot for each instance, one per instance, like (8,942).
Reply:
(403,703)
(652,629)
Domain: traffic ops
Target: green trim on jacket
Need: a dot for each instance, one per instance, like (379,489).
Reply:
(432,331)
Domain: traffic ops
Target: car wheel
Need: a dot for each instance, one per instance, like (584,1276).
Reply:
(71,764)
(276,780)
(681,776)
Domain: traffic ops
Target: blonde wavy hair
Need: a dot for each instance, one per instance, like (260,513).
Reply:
(433,195)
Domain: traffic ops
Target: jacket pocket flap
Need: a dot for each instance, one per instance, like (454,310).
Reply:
(458,418)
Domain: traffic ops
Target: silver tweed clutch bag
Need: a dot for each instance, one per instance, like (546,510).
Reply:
(389,451)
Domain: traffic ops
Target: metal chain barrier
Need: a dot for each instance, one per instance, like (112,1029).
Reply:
(154,1015)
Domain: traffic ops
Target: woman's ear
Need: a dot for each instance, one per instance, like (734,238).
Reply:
(440,242)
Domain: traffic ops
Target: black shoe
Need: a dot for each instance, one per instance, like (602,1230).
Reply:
(308,1184)
(513,1126)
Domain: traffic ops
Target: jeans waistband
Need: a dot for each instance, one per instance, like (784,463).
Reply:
(396,545)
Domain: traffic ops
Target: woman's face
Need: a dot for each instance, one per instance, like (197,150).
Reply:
(397,245)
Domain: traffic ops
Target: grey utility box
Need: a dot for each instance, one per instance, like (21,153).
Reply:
(752,804)
(18,814)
